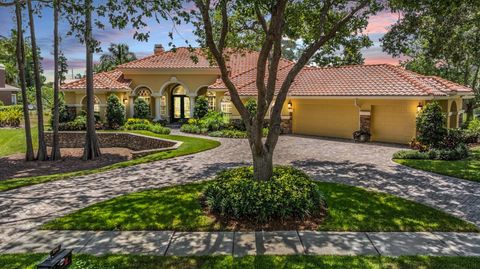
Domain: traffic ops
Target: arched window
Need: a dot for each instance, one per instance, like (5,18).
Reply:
(96,104)
(144,93)
(226,105)
(178,90)
(211,100)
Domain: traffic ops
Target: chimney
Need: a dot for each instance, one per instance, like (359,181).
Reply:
(158,49)
(2,76)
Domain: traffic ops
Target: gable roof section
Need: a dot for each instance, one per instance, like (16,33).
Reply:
(180,58)
(110,80)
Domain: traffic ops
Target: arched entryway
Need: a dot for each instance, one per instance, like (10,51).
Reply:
(453,115)
(180,104)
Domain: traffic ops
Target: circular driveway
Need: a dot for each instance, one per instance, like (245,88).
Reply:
(365,165)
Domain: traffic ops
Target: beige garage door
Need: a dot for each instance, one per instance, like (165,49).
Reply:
(393,123)
(325,120)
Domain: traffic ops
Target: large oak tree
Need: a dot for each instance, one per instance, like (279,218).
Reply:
(225,26)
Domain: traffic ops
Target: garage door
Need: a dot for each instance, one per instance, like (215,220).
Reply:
(393,123)
(325,120)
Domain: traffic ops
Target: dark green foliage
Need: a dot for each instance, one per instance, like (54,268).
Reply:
(251,106)
(289,194)
(193,129)
(234,133)
(115,112)
(450,154)
(431,125)
(141,109)
(201,107)
(411,154)
(63,114)
(78,124)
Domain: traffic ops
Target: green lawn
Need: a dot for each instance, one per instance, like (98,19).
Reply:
(177,208)
(190,145)
(83,261)
(468,169)
(13,140)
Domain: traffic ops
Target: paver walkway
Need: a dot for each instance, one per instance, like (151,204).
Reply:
(249,243)
(367,165)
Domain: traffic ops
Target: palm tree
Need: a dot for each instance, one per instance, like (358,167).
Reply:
(92,148)
(42,147)
(117,54)
(56,155)
(21,74)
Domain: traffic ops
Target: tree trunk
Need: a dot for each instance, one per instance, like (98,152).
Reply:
(262,154)
(56,155)
(29,156)
(42,148)
(92,148)
(262,165)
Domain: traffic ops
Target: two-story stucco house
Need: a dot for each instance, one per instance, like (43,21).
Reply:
(331,102)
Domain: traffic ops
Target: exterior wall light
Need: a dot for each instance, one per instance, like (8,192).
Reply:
(290,106)
(419,107)
(125,101)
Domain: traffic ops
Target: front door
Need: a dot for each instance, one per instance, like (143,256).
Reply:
(180,107)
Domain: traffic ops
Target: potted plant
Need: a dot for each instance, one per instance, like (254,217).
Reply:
(361,135)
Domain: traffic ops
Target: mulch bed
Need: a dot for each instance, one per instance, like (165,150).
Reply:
(15,166)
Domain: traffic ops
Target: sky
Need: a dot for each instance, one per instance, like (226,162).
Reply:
(75,51)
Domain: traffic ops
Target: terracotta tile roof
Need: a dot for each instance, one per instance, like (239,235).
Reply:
(111,80)
(181,58)
(355,80)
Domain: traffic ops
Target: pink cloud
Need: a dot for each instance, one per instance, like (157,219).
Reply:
(380,23)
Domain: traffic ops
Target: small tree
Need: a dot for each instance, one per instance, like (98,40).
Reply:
(431,125)
(201,107)
(115,112)
(141,109)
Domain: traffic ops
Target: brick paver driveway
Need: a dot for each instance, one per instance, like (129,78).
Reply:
(366,165)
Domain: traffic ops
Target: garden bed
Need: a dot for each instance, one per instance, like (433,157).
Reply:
(15,166)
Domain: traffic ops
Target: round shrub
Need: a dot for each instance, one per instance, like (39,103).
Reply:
(431,125)
(115,112)
(289,194)
(201,107)
(141,109)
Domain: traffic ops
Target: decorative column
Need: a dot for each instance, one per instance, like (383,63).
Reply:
(131,103)
(192,104)
(158,104)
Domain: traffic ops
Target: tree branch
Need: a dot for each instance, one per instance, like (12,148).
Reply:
(223,35)
(204,9)
(303,60)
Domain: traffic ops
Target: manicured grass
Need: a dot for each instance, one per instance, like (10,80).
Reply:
(13,140)
(468,169)
(83,261)
(190,145)
(178,208)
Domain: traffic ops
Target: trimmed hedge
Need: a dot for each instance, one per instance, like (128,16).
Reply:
(146,125)
(289,194)
(457,153)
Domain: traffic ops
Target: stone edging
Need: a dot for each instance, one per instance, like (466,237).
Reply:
(141,145)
